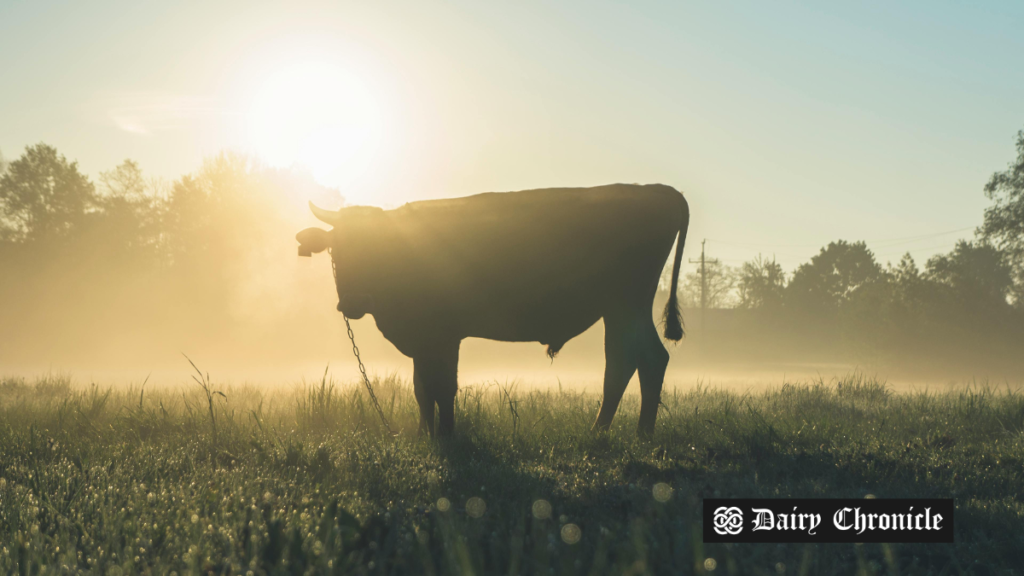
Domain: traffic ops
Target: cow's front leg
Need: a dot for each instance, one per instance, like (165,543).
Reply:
(435,378)
(425,399)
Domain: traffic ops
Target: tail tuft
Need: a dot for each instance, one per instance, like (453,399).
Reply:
(673,319)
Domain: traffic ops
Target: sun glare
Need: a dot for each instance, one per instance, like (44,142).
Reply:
(315,115)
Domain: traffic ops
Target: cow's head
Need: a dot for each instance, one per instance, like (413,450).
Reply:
(347,241)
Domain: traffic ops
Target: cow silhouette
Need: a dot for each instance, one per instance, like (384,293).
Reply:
(530,266)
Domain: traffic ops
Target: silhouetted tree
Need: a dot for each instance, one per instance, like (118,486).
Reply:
(1004,221)
(221,211)
(828,280)
(43,196)
(130,212)
(911,298)
(720,286)
(6,229)
(977,274)
(911,314)
(761,284)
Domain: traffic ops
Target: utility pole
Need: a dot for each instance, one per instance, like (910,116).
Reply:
(703,288)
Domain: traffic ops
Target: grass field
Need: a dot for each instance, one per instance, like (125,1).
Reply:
(237,480)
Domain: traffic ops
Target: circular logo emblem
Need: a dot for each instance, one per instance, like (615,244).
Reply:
(728,520)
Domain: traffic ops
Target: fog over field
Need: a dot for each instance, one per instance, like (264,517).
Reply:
(120,277)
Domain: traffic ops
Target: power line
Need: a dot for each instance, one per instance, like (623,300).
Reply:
(922,249)
(899,252)
(886,241)
(751,245)
(740,260)
(908,239)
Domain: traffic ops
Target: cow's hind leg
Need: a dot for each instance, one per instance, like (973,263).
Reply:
(435,379)
(652,360)
(620,364)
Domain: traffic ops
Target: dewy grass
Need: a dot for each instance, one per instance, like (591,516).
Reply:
(305,480)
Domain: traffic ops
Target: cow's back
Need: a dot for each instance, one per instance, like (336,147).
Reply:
(531,265)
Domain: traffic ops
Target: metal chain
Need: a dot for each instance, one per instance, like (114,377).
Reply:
(366,379)
(359,360)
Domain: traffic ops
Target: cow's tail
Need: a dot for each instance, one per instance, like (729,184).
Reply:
(673,315)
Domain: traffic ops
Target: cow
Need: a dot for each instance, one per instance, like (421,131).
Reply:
(530,266)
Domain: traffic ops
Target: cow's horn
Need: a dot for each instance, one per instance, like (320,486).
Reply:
(324,215)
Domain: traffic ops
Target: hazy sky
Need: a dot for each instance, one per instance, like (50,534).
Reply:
(786,125)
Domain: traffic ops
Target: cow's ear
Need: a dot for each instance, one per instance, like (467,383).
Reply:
(313,240)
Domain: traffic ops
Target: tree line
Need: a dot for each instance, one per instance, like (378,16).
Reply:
(128,255)
(127,259)
(962,306)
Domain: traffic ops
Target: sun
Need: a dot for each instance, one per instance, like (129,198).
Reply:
(316,115)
